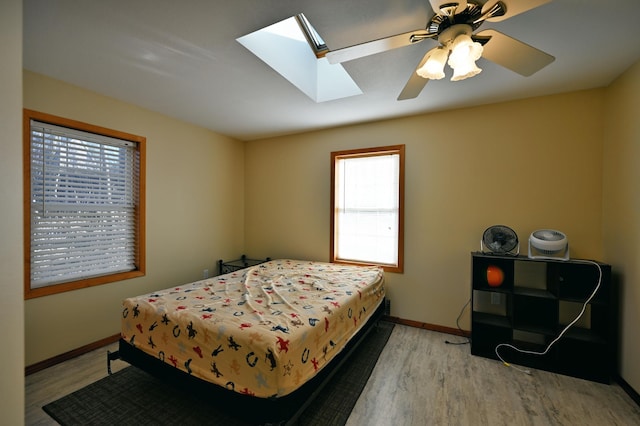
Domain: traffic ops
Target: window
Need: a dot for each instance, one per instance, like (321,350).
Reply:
(294,49)
(84,205)
(367,205)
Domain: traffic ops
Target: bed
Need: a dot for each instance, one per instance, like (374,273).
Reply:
(261,335)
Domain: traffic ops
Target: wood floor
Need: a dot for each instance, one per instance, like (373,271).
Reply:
(55,382)
(419,380)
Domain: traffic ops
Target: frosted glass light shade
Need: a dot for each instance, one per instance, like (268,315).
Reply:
(464,54)
(467,70)
(433,68)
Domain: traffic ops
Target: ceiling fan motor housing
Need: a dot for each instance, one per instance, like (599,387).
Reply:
(470,16)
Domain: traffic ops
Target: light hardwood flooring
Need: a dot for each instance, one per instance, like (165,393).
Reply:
(62,379)
(419,380)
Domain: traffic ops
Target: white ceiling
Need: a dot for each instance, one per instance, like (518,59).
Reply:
(181,58)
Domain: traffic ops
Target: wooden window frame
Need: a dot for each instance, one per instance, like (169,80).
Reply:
(140,212)
(367,152)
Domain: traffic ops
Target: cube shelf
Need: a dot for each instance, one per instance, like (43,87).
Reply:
(534,302)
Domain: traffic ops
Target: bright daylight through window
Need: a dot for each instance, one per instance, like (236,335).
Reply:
(84,205)
(294,49)
(367,224)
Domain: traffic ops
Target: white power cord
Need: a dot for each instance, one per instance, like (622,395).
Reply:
(584,307)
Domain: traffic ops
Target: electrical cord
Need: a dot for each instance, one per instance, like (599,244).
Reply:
(553,342)
(460,328)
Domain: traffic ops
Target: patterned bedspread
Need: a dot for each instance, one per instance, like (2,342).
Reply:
(262,331)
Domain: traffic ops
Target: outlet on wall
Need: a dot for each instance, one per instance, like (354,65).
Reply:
(205,273)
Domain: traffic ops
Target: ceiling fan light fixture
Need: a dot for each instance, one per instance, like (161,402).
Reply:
(464,54)
(462,72)
(433,68)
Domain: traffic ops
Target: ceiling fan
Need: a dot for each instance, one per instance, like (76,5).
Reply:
(453,26)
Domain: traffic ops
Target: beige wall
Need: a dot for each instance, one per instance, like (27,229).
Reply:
(528,164)
(11,303)
(195,210)
(621,207)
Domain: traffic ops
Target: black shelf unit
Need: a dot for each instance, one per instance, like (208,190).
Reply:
(534,303)
(237,264)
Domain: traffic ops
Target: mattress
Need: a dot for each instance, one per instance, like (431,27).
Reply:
(262,331)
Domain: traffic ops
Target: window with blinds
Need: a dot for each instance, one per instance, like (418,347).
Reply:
(84,205)
(367,206)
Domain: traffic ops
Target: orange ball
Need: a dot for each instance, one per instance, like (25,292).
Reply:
(495,276)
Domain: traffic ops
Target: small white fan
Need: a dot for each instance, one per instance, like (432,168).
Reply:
(548,244)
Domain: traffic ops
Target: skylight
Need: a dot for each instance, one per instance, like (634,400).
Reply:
(294,49)
(315,41)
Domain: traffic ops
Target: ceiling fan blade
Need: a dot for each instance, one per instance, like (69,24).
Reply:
(512,54)
(416,83)
(376,46)
(437,6)
(513,7)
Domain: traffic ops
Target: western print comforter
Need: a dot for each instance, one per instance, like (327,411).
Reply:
(262,331)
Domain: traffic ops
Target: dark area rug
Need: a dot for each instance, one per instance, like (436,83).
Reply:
(132,396)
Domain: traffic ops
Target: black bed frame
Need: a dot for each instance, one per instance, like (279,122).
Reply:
(284,410)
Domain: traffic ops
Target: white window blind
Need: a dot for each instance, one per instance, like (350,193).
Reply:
(367,207)
(84,193)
